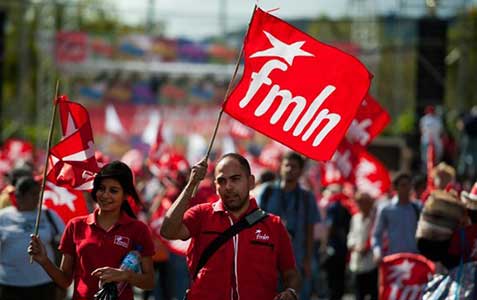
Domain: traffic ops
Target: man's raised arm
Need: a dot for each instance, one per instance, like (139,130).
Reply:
(173,228)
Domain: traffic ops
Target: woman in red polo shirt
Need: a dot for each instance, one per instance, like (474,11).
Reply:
(93,246)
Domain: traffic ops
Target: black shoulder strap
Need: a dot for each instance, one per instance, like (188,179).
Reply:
(247,221)
(52,222)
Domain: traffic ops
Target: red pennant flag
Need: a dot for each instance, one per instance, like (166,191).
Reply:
(240,131)
(370,174)
(330,174)
(369,121)
(295,89)
(67,203)
(352,163)
(403,276)
(271,155)
(72,161)
(14,150)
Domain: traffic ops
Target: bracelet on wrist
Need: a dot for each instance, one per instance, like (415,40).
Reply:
(293,292)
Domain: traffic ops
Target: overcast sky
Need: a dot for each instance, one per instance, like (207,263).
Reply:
(200,18)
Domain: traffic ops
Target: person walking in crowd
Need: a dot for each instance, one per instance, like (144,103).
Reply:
(94,245)
(337,223)
(362,264)
(19,280)
(298,209)
(248,264)
(398,219)
(431,128)
(7,194)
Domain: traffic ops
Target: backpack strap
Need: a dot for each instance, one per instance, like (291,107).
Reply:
(246,222)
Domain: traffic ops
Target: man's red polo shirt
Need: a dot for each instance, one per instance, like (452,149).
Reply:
(262,252)
(93,247)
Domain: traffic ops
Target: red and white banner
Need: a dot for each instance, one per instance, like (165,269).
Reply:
(71,47)
(370,175)
(352,163)
(369,121)
(295,89)
(72,161)
(403,276)
(68,203)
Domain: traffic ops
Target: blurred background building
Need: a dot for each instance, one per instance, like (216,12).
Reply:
(135,64)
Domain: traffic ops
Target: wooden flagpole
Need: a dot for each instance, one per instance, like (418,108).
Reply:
(45,170)
(227,92)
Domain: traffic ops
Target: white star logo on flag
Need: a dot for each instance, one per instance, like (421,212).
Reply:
(280,49)
(401,272)
(59,196)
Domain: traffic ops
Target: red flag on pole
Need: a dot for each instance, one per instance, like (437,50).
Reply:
(295,89)
(369,121)
(72,162)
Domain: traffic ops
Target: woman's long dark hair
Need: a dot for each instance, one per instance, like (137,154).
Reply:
(122,173)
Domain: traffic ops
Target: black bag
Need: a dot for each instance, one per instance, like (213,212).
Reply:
(109,291)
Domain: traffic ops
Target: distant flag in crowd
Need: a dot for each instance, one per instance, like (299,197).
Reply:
(330,174)
(352,163)
(239,130)
(152,134)
(113,123)
(295,89)
(12,151)
(404,275)
(369,121)
(370,174)
(134,159)
(271,155)
(72,161)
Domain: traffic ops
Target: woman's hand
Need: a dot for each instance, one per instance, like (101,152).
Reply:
(108,274)
(287,294)
(37,250)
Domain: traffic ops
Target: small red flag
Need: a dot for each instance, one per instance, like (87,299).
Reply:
(295,89)
(72,162)
(369,121)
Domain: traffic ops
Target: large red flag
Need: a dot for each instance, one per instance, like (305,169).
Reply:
(369,121)
(72,162)
(295,89)
(403,276)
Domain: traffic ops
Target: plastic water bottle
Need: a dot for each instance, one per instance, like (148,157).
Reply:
(131,262)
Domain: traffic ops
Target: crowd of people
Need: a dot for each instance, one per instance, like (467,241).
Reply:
(289,242)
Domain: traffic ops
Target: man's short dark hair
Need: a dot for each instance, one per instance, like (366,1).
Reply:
(241,160)
(24,185)
(400,177)
(292,155)
(17,173)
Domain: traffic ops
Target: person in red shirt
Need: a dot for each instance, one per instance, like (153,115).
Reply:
(250,263)
(94,245)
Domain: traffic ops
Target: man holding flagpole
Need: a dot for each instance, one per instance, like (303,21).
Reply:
(247,264)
